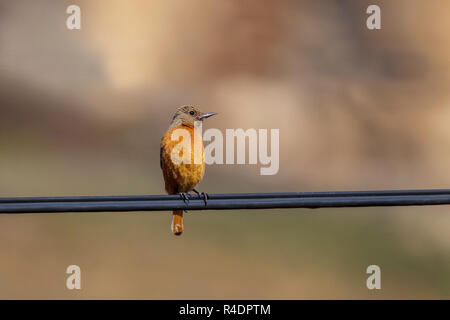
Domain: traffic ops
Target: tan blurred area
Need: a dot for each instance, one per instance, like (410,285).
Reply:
(83,112)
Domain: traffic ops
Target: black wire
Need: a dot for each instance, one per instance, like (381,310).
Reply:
(231,196)
(226,201)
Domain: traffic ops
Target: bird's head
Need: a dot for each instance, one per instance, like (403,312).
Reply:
(187,115)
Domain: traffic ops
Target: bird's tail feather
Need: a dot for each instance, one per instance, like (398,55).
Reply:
(177,222)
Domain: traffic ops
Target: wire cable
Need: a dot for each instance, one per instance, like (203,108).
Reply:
(232,196)
(230,201)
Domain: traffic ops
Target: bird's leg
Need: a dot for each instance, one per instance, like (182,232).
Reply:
(204,194)
(196,191)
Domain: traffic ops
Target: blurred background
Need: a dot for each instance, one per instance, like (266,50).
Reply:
(83,112)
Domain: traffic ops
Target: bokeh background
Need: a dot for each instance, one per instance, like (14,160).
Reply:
(82,113)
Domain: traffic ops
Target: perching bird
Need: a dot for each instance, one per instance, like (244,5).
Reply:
(181,172)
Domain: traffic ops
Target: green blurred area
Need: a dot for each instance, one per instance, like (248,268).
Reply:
(82,113)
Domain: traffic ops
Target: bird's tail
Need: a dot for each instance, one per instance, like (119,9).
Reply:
(177,222)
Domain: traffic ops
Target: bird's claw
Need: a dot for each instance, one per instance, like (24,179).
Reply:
(203,195)
(185,197)
(205,198)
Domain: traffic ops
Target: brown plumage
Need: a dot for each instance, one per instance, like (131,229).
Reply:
(182,172)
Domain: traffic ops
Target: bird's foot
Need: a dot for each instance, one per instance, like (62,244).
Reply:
(205,198)
(203,195)
(185,197)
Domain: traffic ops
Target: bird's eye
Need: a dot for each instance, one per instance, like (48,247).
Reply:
(191,113)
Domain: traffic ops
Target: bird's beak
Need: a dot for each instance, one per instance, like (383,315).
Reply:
(206,115)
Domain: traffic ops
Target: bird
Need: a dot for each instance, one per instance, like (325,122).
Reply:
(182,170)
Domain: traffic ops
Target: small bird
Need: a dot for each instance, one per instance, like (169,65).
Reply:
(181,177)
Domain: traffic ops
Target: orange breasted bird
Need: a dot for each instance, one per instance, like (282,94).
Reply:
(183,170)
